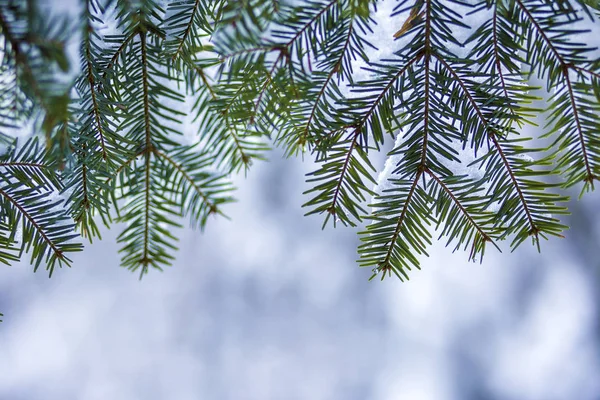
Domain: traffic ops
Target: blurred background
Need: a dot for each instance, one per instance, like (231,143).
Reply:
(269,306)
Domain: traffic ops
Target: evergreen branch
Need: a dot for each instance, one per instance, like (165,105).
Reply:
(534,229)
(200,72)
(117,53)
(20,58)
(385,264)
(37,226)
(310,22)
(590,175)
(330,203)
(187,30)
(360,125)
(95,108)
(486,237)
(180,168)
(564,67)
(330,75)
(96,146)
(285,71)
(340,180)
(492,135)
(25,188)
(147,152)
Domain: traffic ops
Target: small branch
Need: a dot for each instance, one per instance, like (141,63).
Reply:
(202,75)
(565,70)
(310,22)
(187,31)
(145,260)
(118,52)
(590,175)
(265,85)
(180,168)
(492,135)
(401,218)
(95,110)
(446,189)
(334,70)
(33,222)
(356,132)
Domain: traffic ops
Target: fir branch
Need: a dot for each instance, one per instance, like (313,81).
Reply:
(58,253)
(108,67)
(19,57)
(202,75)
(385,265)
(492,135)
(145,260)
(335,70)
(563,68)
(187,30)
(95,108)
(310,22)
(27,182)
(329,199)
(485,237)
(180,168)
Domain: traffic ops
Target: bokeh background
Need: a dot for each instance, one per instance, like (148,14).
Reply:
(269,306)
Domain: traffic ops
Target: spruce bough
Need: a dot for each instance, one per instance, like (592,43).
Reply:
(305,76)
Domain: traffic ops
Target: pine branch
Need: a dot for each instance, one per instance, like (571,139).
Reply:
(26,185)
(187,30)
(199,193)
(385,265)
(33,51)
(534,230)
(577,167)
(257,71)
(331,194)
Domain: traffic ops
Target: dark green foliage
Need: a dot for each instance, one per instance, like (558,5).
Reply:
(304,76)
(115,152)
(439,94)
(27,184)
